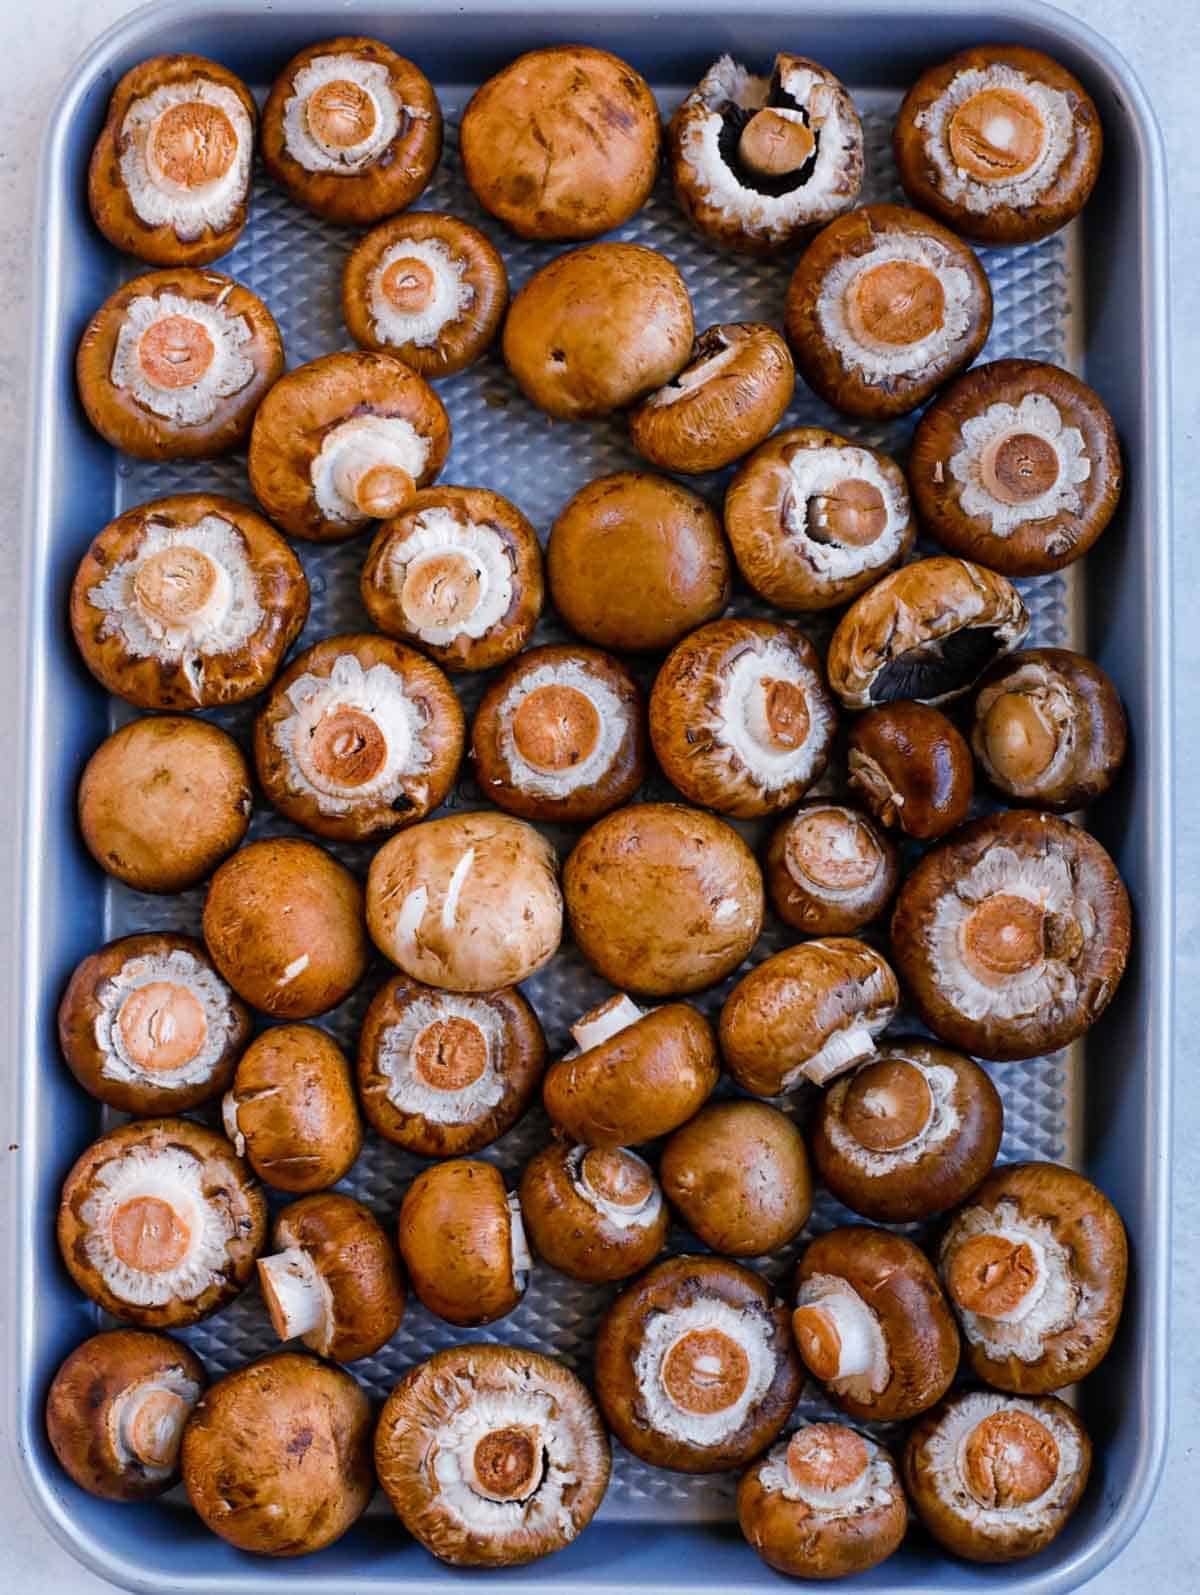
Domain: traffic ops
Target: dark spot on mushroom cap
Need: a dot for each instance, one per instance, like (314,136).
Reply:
(936,667)
(300,1442)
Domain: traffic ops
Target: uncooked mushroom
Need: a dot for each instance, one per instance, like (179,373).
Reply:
(594,1213)
(911,767)
(829,869)
(463,1242)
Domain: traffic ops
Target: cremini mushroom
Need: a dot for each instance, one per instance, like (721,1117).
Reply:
(594,1213)
(830,870)
(463,1242)
(911,767)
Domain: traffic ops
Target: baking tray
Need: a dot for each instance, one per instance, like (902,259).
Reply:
(1093,298)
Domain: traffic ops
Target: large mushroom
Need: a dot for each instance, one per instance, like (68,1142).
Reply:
(829,869)
(596,1214)
(463,1242)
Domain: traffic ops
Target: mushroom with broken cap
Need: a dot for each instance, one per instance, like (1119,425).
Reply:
(830,870)
(596,1213)
(463,1242)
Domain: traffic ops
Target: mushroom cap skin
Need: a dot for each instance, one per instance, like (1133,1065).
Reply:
(384,99)
(640,888)
(829,869)
(563,143)
(1012,935)
(291,1112)
(148,1027)
(1027,1467)
(1017,465)
(738,1175)
(468,903)
(595,1214)
(910,1133)
(598,328)
(1050,1222)
(730,1315)
(501,1398)
(463,1243)
(731,393)
(109,1450)
(277,1456)
(153,651)
(998,193)
(227,137)
(442,1074)
(912,768)
(359,736)
(875,337)
(926,632)
(815,518)
(283,922)
(636,520)
(145,1234)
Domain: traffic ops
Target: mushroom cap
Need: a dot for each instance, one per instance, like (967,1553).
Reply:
(292,1109)
(277,1456)
(597,328)
(926,632)
(473,1393)
(462,1242)
(562,143)
(469,902)
(141,655)
(663,899)
(911,767)
(635,520)
(596,1214)
(97,1440)
(1012,935)
(829,869)
(163,800)
(283,922)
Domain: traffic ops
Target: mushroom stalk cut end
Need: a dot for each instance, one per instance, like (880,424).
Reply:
(294,1294)
(609,1019)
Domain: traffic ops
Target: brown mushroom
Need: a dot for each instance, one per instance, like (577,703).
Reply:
(594,1213)
(160,1223)
(463,1242)
(884,307)
(1012,935)
(912,768)
(598,328)
(829,869)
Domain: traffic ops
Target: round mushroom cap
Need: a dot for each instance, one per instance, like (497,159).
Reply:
(291,1112)
(911,767)
(594,1213)
(463,1242)
(829,869)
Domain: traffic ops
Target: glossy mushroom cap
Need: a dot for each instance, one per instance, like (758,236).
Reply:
(912,769)
(463,1242)
(594,1213)
(829,869)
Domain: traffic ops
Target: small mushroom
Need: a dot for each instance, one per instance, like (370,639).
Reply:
(912,768)
(116,1411)
(160,1223)
(1013,935)
(829,869)
(1035,1265)
(663,899)
(492,1456)
(345,440)
(598,328)
(595,1213)
(884,307)
(695,1369)
(463,1242)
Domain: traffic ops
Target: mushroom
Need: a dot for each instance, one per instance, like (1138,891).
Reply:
(463,1242)
(283,922)
(334,1280)
(927,632)
(663,899)
(1012,936)
(469,902)
(740,718)
(1049,729)
(359,736)
(634,520)
(594,1213)
(458,574)
(291,1111)
(598,328)
(148,1027)
(1000,142)
(174,364)
(829,869)
(187,602)
(1035,1265)
(492,1456)
(759,162)
(562,143)
(560,735)
(632,1075)
(443,1073)
(824,1504)
(695,1369)
(169,179)
(872,1324)
(738,1176)
(277,1456)
(734,389)
(912,768)
(345,440)
(116,1411)
(808,1013)
(884,307)
(351,130)
(994,1478)
(814,518)
(163,800)
(910,1133)
(159,1222)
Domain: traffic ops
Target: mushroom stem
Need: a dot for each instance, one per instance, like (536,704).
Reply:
(229,1118)
(294,1293)
(522,1259)
(150,1423)
(836,1336)
(609,1019)
(842,1051)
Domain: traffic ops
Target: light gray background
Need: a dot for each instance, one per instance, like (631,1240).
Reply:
(1161,40)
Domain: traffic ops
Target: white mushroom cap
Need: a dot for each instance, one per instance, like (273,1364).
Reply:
(471,558)
(439,292)
(185,116)
(166,338)
(1051,1300)
(940,1126)
(182,1002)
(145,1421)
(842,1333)
(610,725)
(722,1354)
(1035,427)
(342,113)
(358,472)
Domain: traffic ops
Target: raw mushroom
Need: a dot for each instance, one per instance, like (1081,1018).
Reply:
(911,767)
(829,869)
(463,1242)
(596,1214)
